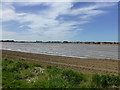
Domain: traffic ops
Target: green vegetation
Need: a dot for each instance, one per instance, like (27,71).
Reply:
(22,74)
(0,73)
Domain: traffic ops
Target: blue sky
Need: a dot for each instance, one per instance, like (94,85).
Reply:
(73,21)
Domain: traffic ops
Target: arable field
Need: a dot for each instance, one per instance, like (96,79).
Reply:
(83,65)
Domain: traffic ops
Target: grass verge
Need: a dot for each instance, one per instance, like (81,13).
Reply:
(22,74)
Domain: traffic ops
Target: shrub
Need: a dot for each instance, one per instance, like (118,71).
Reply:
(21,65)
(41,84)
(106,80)
(59,82)
(19,84)
(53,70)
(6,62)
(73,77)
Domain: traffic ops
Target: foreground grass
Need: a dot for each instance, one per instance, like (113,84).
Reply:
(21,74)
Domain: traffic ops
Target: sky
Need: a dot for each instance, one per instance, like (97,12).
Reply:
(59,21)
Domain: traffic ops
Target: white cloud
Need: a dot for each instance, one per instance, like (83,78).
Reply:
(45,25)
(92,13)
(7,12)
(92,10)
(59,9)
(8,15)
(28,3)
(59,0)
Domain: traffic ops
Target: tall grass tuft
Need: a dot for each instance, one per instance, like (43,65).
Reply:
(72,77)
(105,81)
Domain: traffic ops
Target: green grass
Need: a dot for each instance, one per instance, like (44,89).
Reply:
(22,74)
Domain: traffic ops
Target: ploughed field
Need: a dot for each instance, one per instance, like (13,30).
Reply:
(87,66)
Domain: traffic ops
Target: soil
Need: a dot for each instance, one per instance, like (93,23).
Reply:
(87,66)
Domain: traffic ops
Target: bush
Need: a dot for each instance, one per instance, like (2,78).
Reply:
(19,84)
(59,82)
(13,66)
(53,70)
(41,84)
(64,77)
(5,62)
(73,77)
(21,65)
(106,80)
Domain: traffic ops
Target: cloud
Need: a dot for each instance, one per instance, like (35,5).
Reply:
(40,1)
(45,24)
(7,12)
(91,10)
(8,34)
(59,0)
(28,3)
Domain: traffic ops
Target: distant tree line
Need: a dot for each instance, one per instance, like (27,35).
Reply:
(7,41)
(77,42)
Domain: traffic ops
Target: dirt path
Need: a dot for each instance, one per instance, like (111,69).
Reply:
(89,66)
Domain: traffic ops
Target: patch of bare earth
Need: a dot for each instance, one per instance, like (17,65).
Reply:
(88,66)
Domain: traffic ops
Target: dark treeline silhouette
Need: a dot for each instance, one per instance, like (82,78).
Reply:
(7,41)
(77,42)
